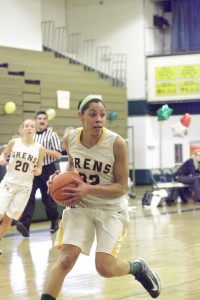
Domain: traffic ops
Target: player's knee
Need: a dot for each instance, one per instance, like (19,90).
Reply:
(104,270)
(67,262)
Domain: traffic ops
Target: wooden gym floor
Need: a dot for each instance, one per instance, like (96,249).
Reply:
(167,237)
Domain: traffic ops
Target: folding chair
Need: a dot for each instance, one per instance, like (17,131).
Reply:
(168,175)
(156,177)
(164,179)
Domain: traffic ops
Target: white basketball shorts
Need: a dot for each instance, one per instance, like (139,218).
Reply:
(13,199)
(80,226)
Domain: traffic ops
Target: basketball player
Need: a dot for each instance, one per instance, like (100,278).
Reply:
(48,138)
(26,160)
(97,206)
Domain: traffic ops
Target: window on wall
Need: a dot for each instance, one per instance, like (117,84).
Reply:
(185,25)
(178,153)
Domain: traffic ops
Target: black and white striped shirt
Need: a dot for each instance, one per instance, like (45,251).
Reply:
(50,140)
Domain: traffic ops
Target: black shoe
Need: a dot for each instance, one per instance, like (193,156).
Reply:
(22,229)
(148,278)
(54,226)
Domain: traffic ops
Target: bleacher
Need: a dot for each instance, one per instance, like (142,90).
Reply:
(31,80)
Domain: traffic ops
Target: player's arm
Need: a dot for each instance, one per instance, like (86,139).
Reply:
(70,165)
(38,169)
(6,152)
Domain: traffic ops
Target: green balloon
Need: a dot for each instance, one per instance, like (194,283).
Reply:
(164,112)
(113,116)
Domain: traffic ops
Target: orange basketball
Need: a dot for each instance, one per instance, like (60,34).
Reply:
(62,180)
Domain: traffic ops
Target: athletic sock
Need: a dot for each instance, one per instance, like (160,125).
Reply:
(47,297)
(134,267)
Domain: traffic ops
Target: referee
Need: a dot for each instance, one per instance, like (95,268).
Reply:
(51,142)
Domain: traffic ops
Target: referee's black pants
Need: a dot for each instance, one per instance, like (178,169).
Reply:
(40,182)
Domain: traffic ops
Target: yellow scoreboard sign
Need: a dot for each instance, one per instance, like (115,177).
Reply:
(167,73)
(173,77)
(166,88)
(189,87)
(191,71)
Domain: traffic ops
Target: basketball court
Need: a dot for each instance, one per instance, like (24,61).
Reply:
(167,237)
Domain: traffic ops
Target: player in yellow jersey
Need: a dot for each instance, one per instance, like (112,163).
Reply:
(97,207)
(25,162)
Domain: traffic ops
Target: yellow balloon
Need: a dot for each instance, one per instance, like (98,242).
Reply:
(10,107)
(51,113)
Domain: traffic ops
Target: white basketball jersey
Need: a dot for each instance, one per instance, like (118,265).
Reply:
(95,165)
(23,159)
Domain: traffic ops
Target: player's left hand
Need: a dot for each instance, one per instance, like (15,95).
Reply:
(3,162)
(77,194)
(37,171)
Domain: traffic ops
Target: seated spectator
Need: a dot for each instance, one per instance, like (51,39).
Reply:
(189,173)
